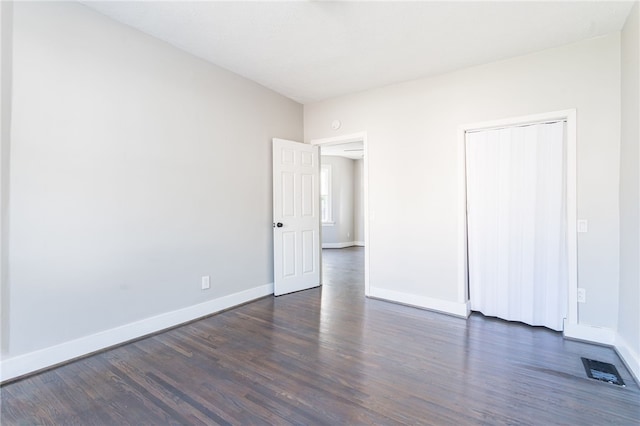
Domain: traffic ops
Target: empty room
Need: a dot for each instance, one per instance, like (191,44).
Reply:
(317,212)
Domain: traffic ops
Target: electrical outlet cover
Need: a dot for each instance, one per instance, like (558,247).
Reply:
(582,295)
(206,283)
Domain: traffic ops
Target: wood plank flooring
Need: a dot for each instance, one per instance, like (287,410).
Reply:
(330,356)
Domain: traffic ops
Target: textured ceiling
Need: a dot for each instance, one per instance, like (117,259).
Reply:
(314,50)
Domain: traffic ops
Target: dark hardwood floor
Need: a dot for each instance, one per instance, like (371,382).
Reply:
(330,356)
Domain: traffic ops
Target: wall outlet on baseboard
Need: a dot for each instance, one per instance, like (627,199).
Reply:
(206,282)
(582,295)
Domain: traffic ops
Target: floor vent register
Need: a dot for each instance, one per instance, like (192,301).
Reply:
(602,371)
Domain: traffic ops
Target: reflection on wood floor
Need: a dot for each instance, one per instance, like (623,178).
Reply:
(330,356)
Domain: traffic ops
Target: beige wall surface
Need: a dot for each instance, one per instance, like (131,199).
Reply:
(136,169)
(629,310)
(6,36)
(413,162)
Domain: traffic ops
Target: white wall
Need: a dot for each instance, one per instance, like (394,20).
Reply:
(340,233)
(136,169)
(358,201)
(413,165)
(6,24)
(628,339)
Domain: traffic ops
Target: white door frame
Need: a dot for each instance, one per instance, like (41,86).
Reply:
(355,137)
(572,236)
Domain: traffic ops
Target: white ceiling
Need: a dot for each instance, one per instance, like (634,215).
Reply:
(314,50)
(352,150)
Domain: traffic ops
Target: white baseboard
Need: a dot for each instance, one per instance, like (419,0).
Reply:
(607,337)
(589,333)
(444,306)
(11,368)
(339,245)
(630,357)
(358,243)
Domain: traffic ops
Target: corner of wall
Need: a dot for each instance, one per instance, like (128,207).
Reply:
(627,337)
(629,356)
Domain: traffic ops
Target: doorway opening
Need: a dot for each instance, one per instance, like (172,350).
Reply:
(569,199)
(343,208)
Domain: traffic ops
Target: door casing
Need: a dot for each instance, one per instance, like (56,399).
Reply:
(572,238)
(355,137)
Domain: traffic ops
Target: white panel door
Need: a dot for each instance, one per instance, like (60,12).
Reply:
(296,221)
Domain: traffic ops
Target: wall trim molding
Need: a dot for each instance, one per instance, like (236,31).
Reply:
(629,356)
(606,337)
(15,367)
(438,305)
(341,245)
(358,243)
(589,333)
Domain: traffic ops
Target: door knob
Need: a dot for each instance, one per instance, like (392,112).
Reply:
(279,225)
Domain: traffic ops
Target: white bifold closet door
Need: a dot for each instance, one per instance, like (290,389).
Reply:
(517,228)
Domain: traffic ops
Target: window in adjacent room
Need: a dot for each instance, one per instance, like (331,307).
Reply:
(325,194)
